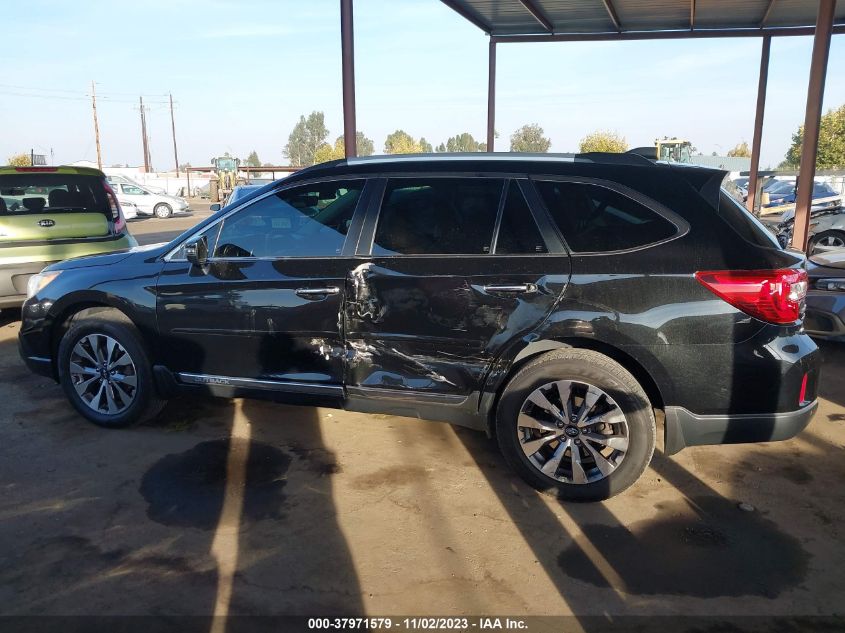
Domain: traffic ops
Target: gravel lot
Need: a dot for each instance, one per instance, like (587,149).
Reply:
(250,507)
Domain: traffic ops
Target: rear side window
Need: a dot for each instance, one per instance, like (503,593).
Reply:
(33,193)
(518,232)
(741,221)
(592,218)
(438,216)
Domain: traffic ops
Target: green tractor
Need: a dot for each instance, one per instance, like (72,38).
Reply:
(224,178)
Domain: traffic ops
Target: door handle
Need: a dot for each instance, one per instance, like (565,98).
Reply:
(316,293)
(511,288)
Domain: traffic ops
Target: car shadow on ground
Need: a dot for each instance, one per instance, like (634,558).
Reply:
(217,506)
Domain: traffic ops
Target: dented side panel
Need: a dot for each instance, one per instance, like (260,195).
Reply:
(434,325)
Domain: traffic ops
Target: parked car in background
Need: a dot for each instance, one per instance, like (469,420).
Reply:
(239,193)
(553,303)
(148,203)
(48,214)
(826,233)
(825,316)
(781,197)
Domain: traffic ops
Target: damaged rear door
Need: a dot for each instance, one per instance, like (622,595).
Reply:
(457,269)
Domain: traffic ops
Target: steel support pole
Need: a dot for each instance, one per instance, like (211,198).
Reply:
(812,123)
(347,40)
(491,96)
(753,180)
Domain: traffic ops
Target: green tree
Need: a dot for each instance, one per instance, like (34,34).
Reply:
(307,135)
(425,146)
(252,160)
(19,160)
(400,142)
(831,153)
(440,148)
(463,142)
(603,141)
(741,150)
(328,152)
(529,138)
(363,144)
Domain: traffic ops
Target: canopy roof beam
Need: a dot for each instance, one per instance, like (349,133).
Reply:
(614,17)
(538,14)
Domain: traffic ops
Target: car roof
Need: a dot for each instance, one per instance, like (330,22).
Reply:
(593,163)
(59,169)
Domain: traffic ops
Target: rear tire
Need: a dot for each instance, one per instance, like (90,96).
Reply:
(163,211)
(605,416)
(105,371)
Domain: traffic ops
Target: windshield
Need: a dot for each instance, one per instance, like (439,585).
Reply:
(226,164)
(782,187)
(39,192)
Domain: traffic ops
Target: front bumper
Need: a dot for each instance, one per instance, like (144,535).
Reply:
(684,428)
(13,280)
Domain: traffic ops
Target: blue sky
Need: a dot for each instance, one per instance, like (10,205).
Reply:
(242,71)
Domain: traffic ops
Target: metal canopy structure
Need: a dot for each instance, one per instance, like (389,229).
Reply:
(563,18)
(514,21)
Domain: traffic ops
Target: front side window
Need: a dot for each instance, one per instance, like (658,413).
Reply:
(438,216)
(592,218)
(132,190)
(306,221)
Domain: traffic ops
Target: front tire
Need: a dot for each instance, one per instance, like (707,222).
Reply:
(827,240)
(163,211)
(576,421)
(105,371)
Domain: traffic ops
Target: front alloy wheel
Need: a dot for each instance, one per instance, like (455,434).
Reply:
(572,431)
(103,374)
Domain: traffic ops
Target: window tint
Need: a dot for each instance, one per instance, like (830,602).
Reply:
(596,219)
(132,190)
(518,232)
(439,216)
(307,221)
(749,227)
(37,192)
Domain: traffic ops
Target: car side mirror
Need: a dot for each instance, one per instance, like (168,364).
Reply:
(214,208)
(196,250)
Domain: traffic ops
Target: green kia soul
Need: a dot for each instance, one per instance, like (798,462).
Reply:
(48,214)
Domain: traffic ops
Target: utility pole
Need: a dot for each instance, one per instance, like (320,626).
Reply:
(96,125)
(173,128)
(144,137)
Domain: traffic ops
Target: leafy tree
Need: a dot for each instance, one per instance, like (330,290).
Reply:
(182,167)
(328,152)
(425,146)
(307,135)
(440,148)
(603,141)
(363,144)
(529,138)
(463,142)
(252,160)
(831,154)
(400,142)
(741,150)
(19,160)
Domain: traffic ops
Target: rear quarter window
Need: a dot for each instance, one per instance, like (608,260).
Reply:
(593,218)
(741,221)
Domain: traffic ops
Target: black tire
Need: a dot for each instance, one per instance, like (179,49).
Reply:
(607,375)
(836,236)
(163,211)
(145,403)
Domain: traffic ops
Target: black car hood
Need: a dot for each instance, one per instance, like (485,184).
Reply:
(108,259)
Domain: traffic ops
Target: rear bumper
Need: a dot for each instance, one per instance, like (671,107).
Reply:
(825,316)
(13,280)
(684,428)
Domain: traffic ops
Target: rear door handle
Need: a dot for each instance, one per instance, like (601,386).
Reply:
(317,293)
(511,288)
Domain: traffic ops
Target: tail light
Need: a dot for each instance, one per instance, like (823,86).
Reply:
(116,212)
(776,296)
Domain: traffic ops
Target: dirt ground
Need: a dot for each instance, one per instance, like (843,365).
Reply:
(245,507)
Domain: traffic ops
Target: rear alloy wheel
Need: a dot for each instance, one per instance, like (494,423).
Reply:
(576,421)
(163,211)
(828,240)
(105,371)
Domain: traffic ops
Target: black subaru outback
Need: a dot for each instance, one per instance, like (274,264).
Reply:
(554,302)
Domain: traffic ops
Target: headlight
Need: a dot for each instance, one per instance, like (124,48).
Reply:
(831,284)
(38,282)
